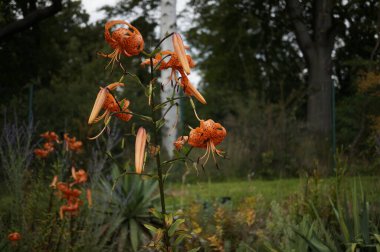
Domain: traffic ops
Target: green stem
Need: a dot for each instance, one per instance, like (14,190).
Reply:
(184,158)
(159,63)
(162,40)
(170,100)
(71,233)
(60,234)
(158,162)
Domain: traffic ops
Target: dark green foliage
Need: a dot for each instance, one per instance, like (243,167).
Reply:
(245,47)
(125,202)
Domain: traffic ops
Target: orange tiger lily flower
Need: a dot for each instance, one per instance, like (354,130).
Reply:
(140,150)
(124,104)
(41,153)
(175,64)
(72,207)
(79,176)
(208,136)
(106,101)
(14,238)
(72,143)
(125,40)
(49,146)
(50,136)
(66,192)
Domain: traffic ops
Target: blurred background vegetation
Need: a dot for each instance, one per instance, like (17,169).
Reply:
(254,75)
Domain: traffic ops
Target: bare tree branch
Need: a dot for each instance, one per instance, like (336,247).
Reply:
(31,19)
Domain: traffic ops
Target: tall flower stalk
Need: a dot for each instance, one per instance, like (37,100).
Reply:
(158,158)
(128,41)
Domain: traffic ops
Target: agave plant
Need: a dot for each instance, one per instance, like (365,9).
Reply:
(125,201)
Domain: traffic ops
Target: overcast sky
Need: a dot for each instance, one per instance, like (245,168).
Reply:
(92,5)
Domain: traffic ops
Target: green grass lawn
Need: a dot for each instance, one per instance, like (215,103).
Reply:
(268,190)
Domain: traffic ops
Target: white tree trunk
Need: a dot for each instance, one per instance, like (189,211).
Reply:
(168,25)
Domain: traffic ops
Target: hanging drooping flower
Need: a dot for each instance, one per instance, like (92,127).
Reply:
(140,150)
(41,153)
(66,192)
(72,143)
(50,136)
(79,176)
(72,199)
(179,62)
(48,147)
(72,208)
(70,194)
(106,101)
(126,40)
(207,136)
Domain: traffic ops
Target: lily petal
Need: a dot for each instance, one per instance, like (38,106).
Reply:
(53,183)
(191,90)
(179,49)
(98,105)
(114,85)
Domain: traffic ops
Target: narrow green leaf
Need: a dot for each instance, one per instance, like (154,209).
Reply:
(377,237)
(195,249)
(134,231)
(174,227)
(151,228)
(314,243)
(352,248)
(377,247)
(156,213)
(179,240)
(342,224)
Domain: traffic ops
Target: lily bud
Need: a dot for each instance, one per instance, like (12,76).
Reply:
(89,197)
(140,149)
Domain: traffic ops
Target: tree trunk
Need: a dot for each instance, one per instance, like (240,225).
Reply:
(319,104)
(316,42)
(168,25)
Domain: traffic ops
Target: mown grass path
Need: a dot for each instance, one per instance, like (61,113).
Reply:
(268,190)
